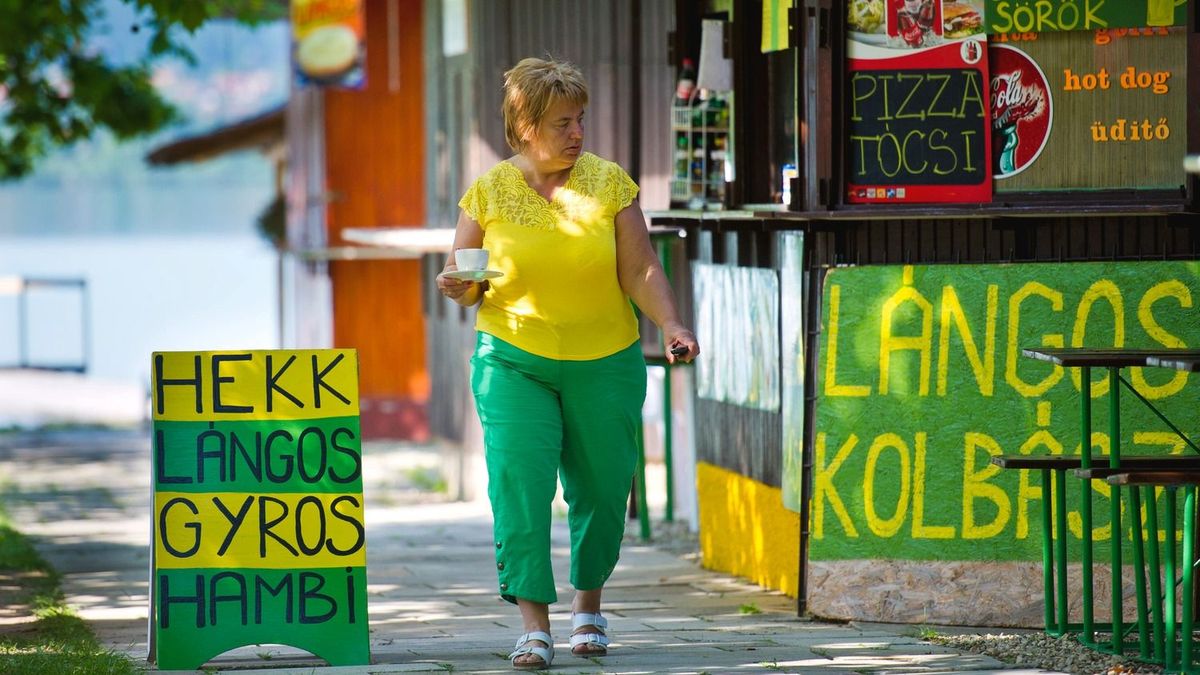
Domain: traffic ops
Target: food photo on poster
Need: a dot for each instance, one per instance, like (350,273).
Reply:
(329,43)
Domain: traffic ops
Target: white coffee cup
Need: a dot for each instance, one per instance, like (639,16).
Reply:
(471,258)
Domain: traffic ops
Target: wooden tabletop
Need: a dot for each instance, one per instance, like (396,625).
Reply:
(1108,357)
(1182,477)
(1183,359)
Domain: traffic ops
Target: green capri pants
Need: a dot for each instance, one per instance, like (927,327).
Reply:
(543,418)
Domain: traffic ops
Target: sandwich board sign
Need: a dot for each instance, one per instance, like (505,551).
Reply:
(258,534)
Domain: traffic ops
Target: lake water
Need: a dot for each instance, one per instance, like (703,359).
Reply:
(147,292)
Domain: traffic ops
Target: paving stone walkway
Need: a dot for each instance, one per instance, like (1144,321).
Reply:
(85,497)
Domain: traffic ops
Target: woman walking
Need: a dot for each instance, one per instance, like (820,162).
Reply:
(558,373)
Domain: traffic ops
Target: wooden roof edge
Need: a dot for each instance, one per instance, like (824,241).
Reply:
(257,131)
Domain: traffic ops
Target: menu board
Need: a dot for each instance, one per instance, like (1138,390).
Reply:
(258,533)
(1059,95)
(918,89)
(1089,110)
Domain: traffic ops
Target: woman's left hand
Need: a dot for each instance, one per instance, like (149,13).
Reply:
(677,337)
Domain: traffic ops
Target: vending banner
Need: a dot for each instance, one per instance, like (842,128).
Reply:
(1089,110)
(919,129)
(921,382)
(1038,16)
(329,43)
(258,533)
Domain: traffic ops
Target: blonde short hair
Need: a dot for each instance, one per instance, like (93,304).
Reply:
(530,88)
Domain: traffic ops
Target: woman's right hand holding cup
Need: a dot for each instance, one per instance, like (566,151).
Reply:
(453,288)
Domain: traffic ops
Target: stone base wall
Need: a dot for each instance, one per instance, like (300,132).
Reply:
(952,593)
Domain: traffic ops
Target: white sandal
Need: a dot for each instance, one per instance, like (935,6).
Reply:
(597,640)
(546,654)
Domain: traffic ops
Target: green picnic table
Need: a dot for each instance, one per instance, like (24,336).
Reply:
(1054,561)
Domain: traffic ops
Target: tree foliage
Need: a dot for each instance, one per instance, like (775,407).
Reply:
(56,90)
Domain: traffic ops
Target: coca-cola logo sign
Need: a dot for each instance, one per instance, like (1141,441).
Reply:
(1022,110)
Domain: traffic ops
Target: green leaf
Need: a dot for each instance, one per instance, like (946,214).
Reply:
(42,42)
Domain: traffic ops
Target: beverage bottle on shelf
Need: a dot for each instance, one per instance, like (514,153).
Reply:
(681,156)
(686,85)
(719,117)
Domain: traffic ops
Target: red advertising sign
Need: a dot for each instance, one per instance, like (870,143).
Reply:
(919,129)
(1022,110)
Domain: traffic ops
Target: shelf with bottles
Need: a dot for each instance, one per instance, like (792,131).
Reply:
(701,149)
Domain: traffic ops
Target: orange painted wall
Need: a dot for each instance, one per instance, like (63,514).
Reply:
(374,145)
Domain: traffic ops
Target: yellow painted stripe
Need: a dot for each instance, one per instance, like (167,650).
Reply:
(254,385)
(745,529)
(273,531)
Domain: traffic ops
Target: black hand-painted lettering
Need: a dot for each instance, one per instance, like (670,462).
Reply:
(265,525)
(166,600)
(273,384)
(160,462)
(319,382)
(237,449)
(239,597)
(360,533)
(323,454)
(218,453)
(313,593)
(161,383)
(284,588)
(195,527)
(235,521)
(348,450)
(285,458)
(219,407)
(351,616)
(310,500)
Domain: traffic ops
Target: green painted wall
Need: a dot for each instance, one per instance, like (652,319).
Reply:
(921,380)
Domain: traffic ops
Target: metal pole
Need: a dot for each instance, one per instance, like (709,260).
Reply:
(1156,606)
(1114,461)
(1048,561)
(1169,611)
(1188,564)
(643,508)
(1085,504)
(23,325)
(1139,569)
(664,254)
(86,320)
(668,436)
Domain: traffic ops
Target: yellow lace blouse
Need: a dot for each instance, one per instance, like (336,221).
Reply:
(559,296)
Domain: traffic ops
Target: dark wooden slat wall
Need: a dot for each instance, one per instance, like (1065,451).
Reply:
(1004,240)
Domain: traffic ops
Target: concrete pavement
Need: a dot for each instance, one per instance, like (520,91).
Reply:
(85,497)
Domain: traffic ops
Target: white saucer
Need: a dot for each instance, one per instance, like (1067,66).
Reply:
(472,275)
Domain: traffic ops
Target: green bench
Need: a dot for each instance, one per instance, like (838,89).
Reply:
(1055,468)
(1161,627)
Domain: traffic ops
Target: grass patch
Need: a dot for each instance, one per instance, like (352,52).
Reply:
(749,608)
(57,641)
(426,479)
(926,633)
